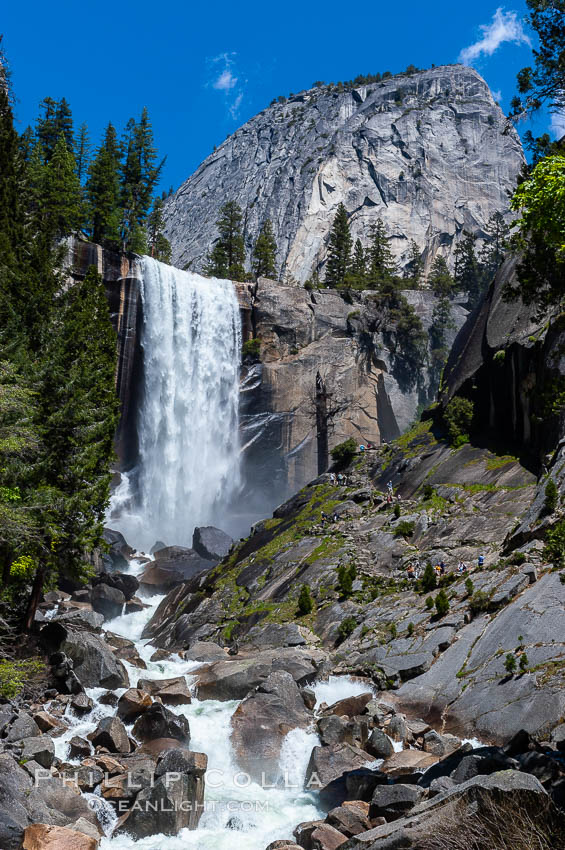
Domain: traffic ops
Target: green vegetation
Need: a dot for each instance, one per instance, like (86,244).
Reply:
(264,252)
(554,550)
(346,628)
(442,603)
(15,674)
(458,420)
(343,453)
(479,602)
(251,349)
(393,631)
(410,629)
(405,528)
(429,579)
(227,257)
(469,586)
(429,603)
(510,663)
(346,575)
(551,497)
(396,511)
(339,250)
(305,601)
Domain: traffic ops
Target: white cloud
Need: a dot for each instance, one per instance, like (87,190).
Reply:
(504,27)
(558,124)
(225,78)
(225,81)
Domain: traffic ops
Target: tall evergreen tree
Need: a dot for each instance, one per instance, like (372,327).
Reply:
(440,280)
(64,123)
(227,257)
(62,198)
(46,126)
(494,247)
(382,265)
(356,278)
(338,263)
(264,263)
(159,245)
(467,270)
(82,152)
(103,191)
(414,271)
(140,174)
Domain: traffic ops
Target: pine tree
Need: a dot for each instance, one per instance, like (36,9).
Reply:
(264,264)
(82,152)
(467,270)
(382,265)
(494,248)
(227,257)
(46,126)
(414,270)
(103,192)
(338,263)
(62,200)
(442,323)
(440,280)
(139,176)
(64,123)
(159,245)
(356,278)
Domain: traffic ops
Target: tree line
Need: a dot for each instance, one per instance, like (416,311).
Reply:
(105,194)
(58,405)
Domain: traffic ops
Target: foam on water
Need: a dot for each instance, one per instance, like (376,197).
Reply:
(336,688)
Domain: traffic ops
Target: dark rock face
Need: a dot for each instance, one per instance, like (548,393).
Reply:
(94,662)
(107,600)
(261,722)
(159,722)
(211,543)
(124,582)
(173,565)
(111,734)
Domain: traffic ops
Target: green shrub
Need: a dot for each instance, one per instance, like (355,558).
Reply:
(251,349)
(429,603)
(479,602)
(523,662)
(343,453)
(345,578)
(396,510)
(14,674)
(428,492)
(410,629)
(510,663)
(551,497)
(392,630)
(469,586)
(458,420)
(404,528)
(442,603)
(346,628)
(554,549)
(518,558)
(429,579)
(499,357)
(305,601)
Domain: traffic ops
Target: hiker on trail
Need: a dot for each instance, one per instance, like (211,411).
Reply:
(481,561)
(442,568)
(332,478)
(410,571)
(437,569)
(361,448)
(336,517)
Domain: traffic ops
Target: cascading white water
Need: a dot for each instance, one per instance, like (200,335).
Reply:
(188,470)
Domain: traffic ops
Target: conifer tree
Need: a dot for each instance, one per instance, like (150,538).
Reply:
(139,175)
(46,127)
(356,278)
(103,191)
(62,197)
(467,271)
(82,152)
(414,271)
(382,265)
(64,123)
(264,263)
(440,280)
(159,245)
(227,257)
(494,248)
(339,250)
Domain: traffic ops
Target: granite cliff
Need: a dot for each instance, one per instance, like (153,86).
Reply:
(430,153)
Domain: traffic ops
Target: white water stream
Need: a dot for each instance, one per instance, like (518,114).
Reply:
(188,469)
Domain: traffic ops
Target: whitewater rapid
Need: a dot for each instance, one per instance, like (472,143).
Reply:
(188,470)
(262,815)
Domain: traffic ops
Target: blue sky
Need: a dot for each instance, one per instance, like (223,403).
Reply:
(204,69)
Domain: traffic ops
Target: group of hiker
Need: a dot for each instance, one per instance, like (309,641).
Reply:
(338,479)
(414,570)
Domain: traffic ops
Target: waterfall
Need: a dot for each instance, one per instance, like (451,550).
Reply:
(187,424)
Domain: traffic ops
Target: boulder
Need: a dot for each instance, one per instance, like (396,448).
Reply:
(81,618)
(23,726)
(280,634)
(41,836)
(111,734)
(46,721)
(261,722)
(173,691)
(181,760)
(379,745)
(165,807)
(393,801)
(94,662)
(329,763)
(317,835)
(203,650)
(108,601)
(440,745)
(159,722)
(133,703)
(124,582)
(119,552)
(351,706)
(79,748)
(81,703)
(39,749)
(407,761)
(333,730)
(211,543)
(173,565)
(349,819)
